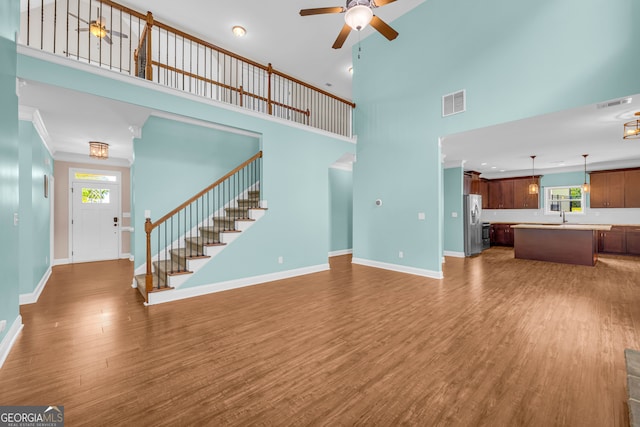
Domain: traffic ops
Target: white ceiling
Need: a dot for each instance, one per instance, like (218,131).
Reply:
(301,47)
(276,33)
(557,140)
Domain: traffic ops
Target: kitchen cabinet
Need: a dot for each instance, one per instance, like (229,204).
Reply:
(612,241)
(633,240)
(471,183)
(484,192)
(501,194)
(632,188)
(607,189)
(521,197)
(501,234)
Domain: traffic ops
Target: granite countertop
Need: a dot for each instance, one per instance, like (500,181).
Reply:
(599,227)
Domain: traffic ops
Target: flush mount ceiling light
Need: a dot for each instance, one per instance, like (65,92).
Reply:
(533,187)
(632,129)
(98,150)
(585,186)
(239,31)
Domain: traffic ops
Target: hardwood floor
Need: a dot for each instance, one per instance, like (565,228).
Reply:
(498,342)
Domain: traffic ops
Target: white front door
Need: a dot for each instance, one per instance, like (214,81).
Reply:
(95,221)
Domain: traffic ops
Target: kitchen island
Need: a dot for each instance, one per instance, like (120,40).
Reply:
(563,243)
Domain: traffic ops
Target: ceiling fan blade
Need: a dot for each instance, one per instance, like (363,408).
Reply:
(107,39)
(321,10)
(78,18)
(82,29)
(380,3)
(383,28)
(118,34)
(344,33)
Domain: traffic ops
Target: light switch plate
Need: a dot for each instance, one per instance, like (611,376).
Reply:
(454,214)
(421,216)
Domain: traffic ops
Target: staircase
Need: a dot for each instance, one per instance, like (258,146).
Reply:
(177,259)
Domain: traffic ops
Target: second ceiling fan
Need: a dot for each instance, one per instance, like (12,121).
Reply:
(359,13)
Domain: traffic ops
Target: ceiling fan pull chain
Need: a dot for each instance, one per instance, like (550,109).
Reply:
(359,47)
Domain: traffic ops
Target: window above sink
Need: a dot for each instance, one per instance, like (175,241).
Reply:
(568,199)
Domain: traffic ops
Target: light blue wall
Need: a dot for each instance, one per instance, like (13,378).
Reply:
(174,161)
(341,208)
(453,227)
(295,165)
(515,60)
(296,226)
(9,186)
(34,227)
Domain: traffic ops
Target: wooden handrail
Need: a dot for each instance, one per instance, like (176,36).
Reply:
(308,86)
(124,9)
(240,90)
(153,225)
(267,68)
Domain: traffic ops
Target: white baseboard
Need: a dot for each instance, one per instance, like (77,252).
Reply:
(10,339)
(341,252)
(61,261)
(178,294)
(454,254)
(32,297)
(125,256)
(399,268)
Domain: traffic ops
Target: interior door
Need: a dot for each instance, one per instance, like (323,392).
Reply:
(95,221)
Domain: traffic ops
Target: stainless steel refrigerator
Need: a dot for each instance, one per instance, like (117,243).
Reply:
(472,224)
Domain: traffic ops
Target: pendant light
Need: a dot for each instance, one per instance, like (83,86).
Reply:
(585,186)
(533,187)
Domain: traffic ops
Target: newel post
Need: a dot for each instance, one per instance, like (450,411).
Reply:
(149,65)
(269,72)
(148,228)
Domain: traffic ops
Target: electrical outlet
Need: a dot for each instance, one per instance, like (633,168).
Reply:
(280,260)
(454,214)
(3,325)
(400,254)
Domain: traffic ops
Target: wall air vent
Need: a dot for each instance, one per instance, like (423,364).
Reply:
(613,103)
(454,103)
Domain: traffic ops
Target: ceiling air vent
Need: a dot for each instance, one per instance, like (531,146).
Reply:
(454,103)
(614,103)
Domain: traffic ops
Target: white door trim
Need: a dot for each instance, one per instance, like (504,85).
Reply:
(72,179)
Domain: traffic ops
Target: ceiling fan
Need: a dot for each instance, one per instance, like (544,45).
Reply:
(359,13)
(98,27)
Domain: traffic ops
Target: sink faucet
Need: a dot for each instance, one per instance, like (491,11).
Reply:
(564,219)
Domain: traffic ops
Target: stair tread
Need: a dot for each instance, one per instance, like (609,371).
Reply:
(141,279)
(201,241)
(184,253)
(216,229)
(170,267)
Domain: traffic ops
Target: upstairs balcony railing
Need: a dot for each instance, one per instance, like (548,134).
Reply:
(113,36)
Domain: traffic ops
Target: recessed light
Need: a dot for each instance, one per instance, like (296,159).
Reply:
(493,167)
(239,31)
(483,164)
(501,170)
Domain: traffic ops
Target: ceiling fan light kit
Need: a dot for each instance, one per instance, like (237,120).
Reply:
(632,129)
(358,14)
(98,27)
(358,17)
